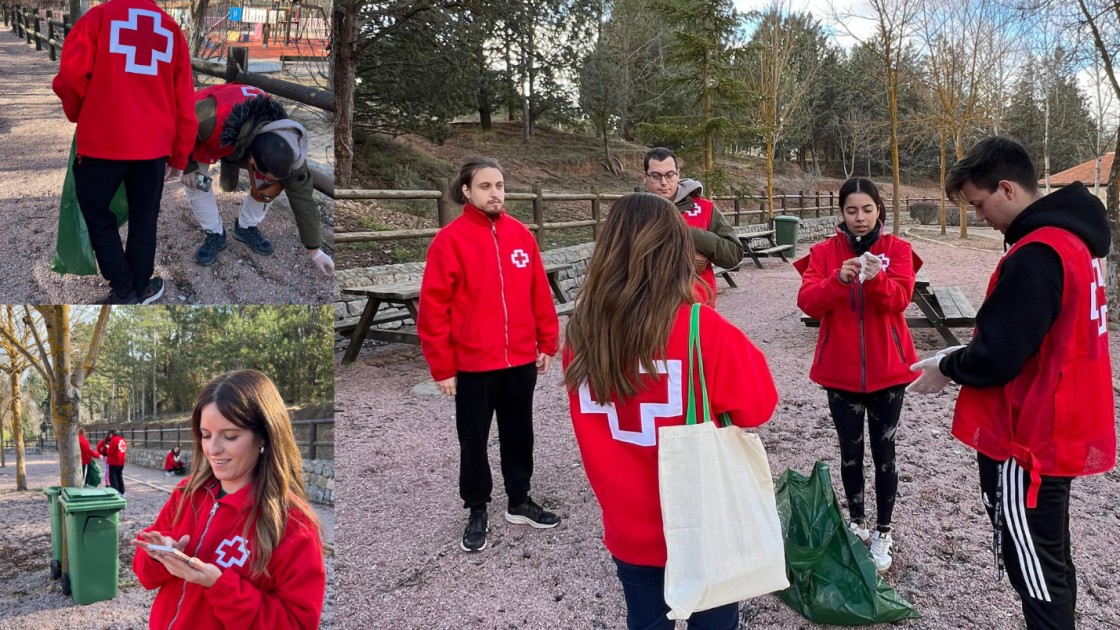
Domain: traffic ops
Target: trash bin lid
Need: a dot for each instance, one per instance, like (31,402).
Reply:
(91,499)
(786,217)
(52,491)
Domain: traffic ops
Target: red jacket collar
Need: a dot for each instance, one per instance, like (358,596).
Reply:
(478,216)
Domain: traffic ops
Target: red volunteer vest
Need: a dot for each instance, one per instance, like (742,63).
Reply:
(226,96)
(700,216)
(1057,416)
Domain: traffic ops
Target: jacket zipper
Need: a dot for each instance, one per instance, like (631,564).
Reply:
(197,547)
(502,286)
(862,343)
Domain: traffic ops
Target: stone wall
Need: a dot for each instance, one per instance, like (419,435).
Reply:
(318,474)
(347,308)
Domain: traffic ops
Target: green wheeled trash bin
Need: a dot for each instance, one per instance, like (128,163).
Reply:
(92,543)
(52,493)
(785,233)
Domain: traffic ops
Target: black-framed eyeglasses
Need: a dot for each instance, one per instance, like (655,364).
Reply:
(663,177)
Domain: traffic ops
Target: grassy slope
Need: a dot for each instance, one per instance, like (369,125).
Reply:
(559,161)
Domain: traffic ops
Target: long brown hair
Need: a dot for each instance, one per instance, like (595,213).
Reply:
(249,399)
(640,274)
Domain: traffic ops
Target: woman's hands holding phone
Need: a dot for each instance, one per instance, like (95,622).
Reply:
(169,552)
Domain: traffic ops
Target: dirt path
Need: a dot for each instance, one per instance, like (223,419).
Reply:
(30,599)
(34,141)
(400,520)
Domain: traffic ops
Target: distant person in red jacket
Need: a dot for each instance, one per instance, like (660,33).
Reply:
(487,328)
(88,454)
(125,79)
(1036,399)
(115,448)
(173,463)
(713,237)
(251,545)
(858,284)
(632,322)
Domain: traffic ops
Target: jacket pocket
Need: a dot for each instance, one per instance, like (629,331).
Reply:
(898,345)
(821,345)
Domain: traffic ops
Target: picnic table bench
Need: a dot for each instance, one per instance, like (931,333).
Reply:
(407,295)
(942,308)
(760,244)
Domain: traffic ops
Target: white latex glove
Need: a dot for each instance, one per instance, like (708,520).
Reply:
(932,380)
(323,262)
(870,265)
(944,352)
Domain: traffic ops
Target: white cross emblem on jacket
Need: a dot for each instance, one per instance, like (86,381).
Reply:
(143,42)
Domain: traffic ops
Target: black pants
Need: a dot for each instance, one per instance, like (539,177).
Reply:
(127,268)
(882,409)
(1034,542)
(116,478)
(478,396)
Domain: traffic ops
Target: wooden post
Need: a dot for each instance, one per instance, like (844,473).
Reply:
(237,60)
(763,212)
(596,214)
(801,204)
(738,210)
(50,36)
(830,203)
(817,212)
(67,24)
(38,32)
(443,204)
(313,436)
(783,197)
(26,23)
(538,213)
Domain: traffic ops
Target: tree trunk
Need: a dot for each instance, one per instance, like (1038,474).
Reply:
(345,62)
(17,431)
(892,97)
(1113,209)
(154,363)
(65,398)
(198,25)
(942,186)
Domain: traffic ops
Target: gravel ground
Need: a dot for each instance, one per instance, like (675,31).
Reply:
(400,520)
(30,599)
(34,141)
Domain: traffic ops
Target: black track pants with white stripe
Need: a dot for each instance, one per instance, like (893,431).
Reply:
(1035,541)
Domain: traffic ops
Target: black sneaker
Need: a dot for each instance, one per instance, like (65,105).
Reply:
(152,293)
(474,537)
(253,238)
(529,513)
(114,298)
(208,253)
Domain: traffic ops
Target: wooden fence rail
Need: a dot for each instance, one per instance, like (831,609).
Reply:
(742,211)
(315,438)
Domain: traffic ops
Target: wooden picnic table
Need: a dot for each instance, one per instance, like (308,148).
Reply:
(769,246)
(942,308)
(407,294)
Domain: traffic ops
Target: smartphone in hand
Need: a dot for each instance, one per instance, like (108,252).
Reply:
(169,550)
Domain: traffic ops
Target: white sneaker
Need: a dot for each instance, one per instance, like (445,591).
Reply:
(881,551)
(861,532)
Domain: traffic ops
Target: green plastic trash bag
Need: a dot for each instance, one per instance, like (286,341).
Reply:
(73,252)
(831,574)
(93,473)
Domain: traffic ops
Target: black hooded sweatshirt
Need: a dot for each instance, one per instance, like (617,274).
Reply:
(1027,297)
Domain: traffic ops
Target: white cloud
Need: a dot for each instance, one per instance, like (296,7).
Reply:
(856,15)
